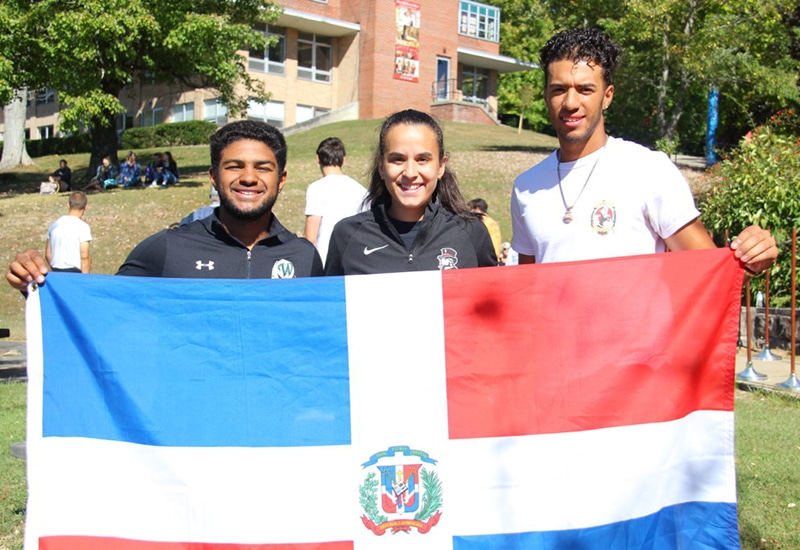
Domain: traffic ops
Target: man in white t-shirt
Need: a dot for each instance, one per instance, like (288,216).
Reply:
(602,197)
(331,198)
(68,238)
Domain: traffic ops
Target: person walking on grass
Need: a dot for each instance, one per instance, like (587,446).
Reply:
(68,238)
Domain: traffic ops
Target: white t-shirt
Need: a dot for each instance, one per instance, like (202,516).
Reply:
(66,235)
(632,201)
(333,198)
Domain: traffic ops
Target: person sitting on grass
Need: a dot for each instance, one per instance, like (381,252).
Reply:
(130,171)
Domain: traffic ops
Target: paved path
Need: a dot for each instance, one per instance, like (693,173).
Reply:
(12,360)
(777,372)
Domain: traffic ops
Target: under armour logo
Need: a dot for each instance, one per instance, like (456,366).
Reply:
(200,265)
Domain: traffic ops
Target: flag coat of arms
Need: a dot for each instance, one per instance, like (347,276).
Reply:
(583,405)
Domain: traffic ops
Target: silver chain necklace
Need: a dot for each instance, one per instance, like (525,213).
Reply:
(568,217)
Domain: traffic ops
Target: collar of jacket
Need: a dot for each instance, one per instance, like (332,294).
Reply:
(278,234)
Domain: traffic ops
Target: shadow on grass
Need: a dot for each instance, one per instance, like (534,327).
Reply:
(26,182)
(518,149)
(750,536)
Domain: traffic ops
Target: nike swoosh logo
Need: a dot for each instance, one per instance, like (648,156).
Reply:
(368,251)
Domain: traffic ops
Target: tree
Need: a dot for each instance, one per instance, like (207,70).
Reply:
(757,184)
(13,93)
(676,50)
(90,50)
(14,151)
(524,28)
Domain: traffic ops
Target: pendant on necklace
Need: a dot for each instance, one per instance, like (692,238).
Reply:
(567,217)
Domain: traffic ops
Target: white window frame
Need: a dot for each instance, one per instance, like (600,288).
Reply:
(304,113)
(182,112)
(47,131)
(476,74)
(152,117)
(317,43)
(479,20)
(442,78)
(124,121)
(215,111)
(271,112)
(264,64)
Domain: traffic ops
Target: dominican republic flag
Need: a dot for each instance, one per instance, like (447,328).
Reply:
(577,406)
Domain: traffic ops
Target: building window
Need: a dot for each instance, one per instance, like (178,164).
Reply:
(273,59)
(46,132)
(307,112)
(124,121)
(215,111)
(314,57)
(479,21)
(151,117)
(271,112)
(182,112)
(45,97)
(474,84)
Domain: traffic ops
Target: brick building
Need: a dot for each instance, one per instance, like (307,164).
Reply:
(343,60)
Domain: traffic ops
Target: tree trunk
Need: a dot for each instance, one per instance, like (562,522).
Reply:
(104,142)
(14,151)
(663,85)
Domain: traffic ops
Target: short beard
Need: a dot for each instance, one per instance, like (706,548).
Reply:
(245,215)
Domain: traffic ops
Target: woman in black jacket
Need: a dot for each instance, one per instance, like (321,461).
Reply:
(418,219)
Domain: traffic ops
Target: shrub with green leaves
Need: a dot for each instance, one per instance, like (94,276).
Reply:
(192,132)
(758,184)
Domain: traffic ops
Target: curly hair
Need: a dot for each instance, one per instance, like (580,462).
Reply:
(447,191)
(248,129)
(592,45)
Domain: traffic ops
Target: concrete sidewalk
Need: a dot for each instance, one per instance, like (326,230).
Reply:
(776,372)
(13,360)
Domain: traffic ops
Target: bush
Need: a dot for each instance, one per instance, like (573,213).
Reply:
(67,145)
(757,185)
(193,132)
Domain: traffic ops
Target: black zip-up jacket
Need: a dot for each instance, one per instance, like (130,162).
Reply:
(204,249)
(369,243)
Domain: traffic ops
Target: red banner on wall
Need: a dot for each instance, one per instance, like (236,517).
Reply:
(406,51)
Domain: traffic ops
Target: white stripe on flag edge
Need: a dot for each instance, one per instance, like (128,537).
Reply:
(541,483)
(35,371)
(590,478)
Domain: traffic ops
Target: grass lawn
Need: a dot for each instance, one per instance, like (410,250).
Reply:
(12,470)
(768,470)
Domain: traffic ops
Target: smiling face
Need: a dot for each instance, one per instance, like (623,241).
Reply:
(576,95)
(410,169)
(247,180)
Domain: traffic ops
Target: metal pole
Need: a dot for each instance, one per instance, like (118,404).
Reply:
(739,343)
(749,373)
(766,354)
(792,383)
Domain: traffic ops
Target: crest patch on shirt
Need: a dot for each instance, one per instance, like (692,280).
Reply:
(283,269)
(604,218)
(448,259)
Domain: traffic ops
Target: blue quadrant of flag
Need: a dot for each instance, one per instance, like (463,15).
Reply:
(189,378)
